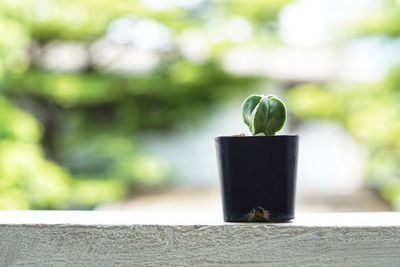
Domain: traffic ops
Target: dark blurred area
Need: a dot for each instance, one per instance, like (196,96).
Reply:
(89,88)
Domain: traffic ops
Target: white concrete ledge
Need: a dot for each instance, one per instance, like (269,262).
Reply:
(93,238)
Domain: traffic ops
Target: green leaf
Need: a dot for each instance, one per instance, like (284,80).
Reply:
(248,106)
(276,115)
(264,114)
(259,116)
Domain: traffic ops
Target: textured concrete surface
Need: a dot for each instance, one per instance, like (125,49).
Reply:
(58,238)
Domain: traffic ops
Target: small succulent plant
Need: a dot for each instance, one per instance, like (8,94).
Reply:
(264,114)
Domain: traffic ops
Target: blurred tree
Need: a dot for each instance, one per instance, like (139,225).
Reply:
(369,112)
(79,79)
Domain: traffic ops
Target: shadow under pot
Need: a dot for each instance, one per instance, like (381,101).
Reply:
(258,177)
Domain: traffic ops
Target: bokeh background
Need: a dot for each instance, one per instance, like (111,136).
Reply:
(115,104)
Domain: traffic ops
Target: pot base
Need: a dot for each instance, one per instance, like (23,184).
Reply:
(257,215)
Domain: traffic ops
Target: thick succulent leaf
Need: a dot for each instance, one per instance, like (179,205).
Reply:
(259,116)
(248,106)
(264,114)
(276,116)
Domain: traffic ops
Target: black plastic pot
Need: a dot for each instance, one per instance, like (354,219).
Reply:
(258,177)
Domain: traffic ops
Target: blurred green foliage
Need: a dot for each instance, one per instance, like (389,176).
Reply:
(370,113)
(68,136)
(383,22)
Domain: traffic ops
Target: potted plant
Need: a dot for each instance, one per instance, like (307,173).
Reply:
(258,172)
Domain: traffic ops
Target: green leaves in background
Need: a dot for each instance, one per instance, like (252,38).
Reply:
(370,113)
(69,136)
